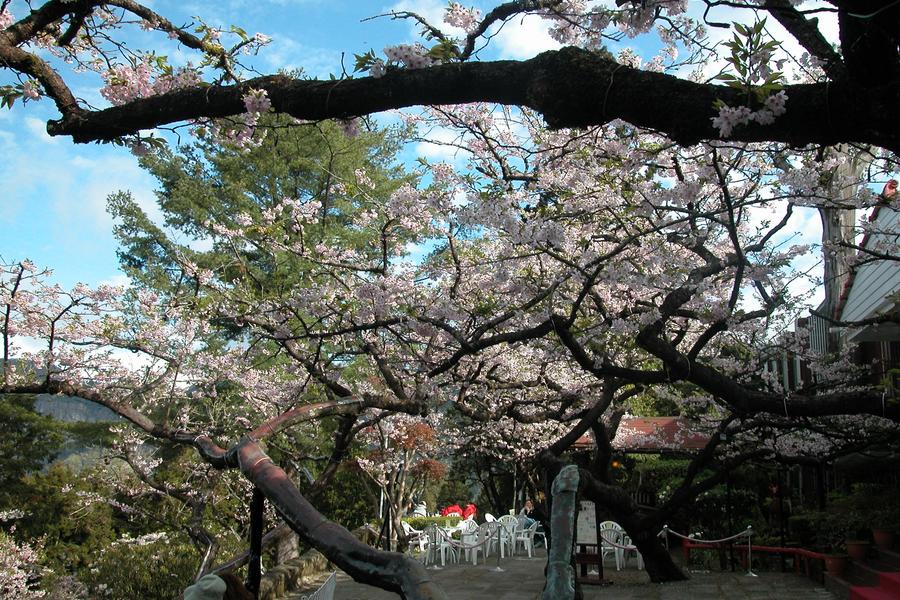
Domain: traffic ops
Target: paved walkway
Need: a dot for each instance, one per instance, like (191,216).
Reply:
(523,579)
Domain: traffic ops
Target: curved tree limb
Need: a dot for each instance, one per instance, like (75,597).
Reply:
(569,87)
(391,571)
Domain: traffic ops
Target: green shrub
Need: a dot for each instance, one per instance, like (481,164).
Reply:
(347,499)
(422,522)
(803,529)
(151,566)
(60,508)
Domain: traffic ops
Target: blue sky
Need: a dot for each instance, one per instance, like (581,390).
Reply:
(52,207)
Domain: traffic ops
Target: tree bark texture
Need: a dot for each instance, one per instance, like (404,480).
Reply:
(570,87)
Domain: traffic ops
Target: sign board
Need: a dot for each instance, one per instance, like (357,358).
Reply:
(586,524)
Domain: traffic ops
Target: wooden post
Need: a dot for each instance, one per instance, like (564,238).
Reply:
(254,568)
(597,522)
(820,485)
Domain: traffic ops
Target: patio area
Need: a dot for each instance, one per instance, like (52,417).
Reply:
(522,578)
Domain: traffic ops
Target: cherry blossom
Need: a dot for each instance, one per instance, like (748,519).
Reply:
(466,19)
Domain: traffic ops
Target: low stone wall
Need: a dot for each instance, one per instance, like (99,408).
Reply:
(288,576)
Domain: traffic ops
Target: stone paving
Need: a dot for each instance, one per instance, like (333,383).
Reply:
(523,578)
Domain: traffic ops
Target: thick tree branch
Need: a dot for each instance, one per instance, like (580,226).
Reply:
(569,87)
(806,31)
(388,570)
(746,401)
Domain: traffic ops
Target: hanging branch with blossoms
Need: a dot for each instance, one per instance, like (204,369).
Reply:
(159,399)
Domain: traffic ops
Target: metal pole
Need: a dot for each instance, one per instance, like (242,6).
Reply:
(781,514)
(750,572)
(730,521)
(499,541)
(514,488)
(254,568)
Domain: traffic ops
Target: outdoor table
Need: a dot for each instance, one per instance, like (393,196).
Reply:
(436,537)
(589,554)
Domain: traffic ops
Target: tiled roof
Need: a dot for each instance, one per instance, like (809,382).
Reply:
(653,434)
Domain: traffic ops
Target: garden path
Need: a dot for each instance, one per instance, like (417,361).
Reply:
(523,579)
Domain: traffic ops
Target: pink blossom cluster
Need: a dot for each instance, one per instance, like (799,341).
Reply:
(363,180)
(18,565)
(731,117)
(411,56)
(257,102)
(6,18)
(31,90)
(241,131)
(377,70)
(138,147)
(350,126)
(639,18)
(466,19)
(125,83)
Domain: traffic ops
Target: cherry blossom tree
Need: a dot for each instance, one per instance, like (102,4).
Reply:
(633,249)
(577,320)
(20,568)
(157,398)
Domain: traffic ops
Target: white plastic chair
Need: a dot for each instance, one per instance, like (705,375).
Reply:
(444,546)
(415,536)
(629,550)
(325,591)
(468,530)
(611,532)
(508,533)
(487,532)
(540,534)
(526,537)
(489,518)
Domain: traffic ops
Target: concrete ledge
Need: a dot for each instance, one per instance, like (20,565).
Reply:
(279,581)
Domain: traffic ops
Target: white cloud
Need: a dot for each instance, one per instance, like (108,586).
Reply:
(524,37)
(98,178)
(519,38)
(133,361)
(283,53)
(23,344)
(120,280)
(197,244)
(444,145)
(38,129)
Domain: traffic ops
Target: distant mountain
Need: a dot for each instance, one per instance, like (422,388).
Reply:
(72,409)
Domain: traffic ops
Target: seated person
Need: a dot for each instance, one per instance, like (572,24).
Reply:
(531,514)
(420,510)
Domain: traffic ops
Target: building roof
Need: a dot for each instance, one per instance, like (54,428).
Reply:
(872,287)
(653,435)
